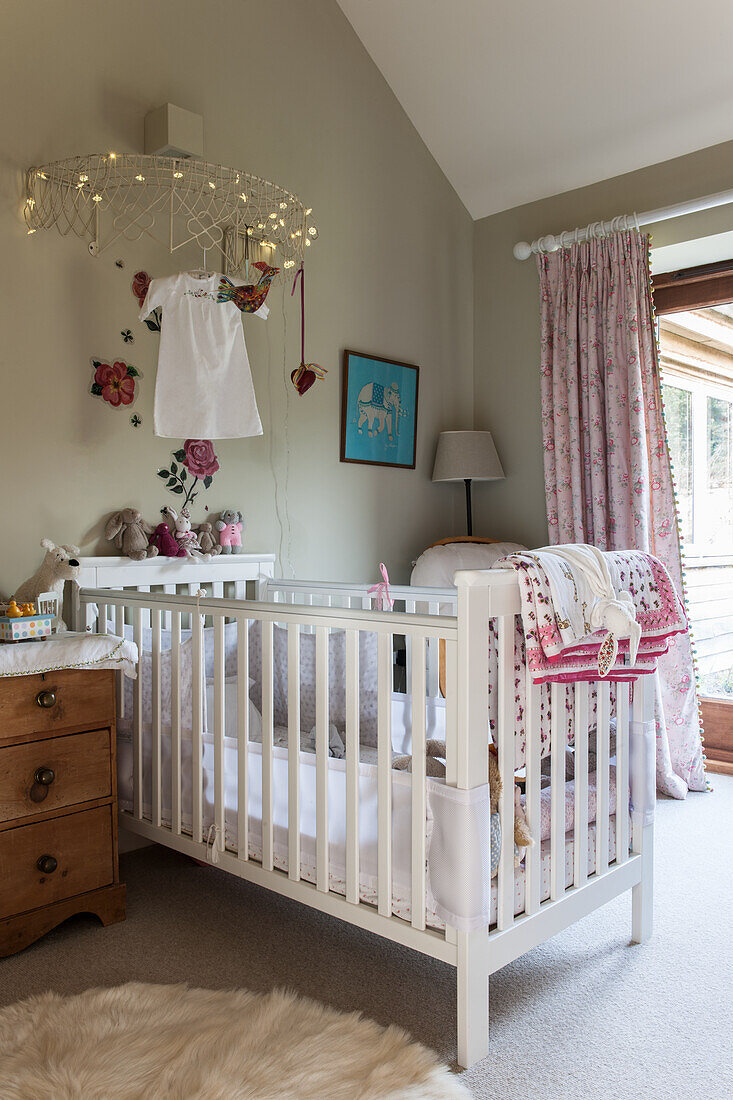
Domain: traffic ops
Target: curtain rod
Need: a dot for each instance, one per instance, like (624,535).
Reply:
(523,250)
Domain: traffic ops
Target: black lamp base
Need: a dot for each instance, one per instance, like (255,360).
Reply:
(469,516)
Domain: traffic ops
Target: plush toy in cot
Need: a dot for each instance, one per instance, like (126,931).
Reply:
(59,565)
(165,543)
(183,533)
(130,533)
(434,766)
(229,526)
(207,539)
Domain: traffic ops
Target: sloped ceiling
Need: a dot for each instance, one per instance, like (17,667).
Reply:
(518,99)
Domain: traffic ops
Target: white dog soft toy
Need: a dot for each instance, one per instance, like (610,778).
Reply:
(59,565)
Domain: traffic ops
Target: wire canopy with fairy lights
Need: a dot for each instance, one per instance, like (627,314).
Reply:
(105,197)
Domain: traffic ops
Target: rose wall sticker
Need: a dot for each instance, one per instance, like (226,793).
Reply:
(114,382)
(195,458)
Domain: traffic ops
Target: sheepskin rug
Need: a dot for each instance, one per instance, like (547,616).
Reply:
(144,1042)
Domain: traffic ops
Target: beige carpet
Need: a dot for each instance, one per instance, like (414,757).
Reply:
(584,1015)
(156,1042)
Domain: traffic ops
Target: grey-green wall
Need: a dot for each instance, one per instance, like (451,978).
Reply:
(288,92)
(506,316)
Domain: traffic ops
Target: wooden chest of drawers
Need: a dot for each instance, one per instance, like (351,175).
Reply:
(58,803)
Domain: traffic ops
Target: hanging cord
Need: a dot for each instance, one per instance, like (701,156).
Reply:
(271,447)
(286,434)
(307,373)
(212,843)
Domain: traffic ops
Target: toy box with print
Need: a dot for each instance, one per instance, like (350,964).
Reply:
(24,622)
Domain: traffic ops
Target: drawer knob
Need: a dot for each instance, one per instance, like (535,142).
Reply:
(47,864)
(42,780)
(46,699)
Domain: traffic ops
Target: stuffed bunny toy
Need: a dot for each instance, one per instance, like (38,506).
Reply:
(166,543)
(185,537)
(60,564)
(130,533)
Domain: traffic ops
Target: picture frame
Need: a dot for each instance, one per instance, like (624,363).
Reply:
(379,411)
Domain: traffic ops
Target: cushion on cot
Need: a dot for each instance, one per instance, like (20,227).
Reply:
(436,566)
(336,678)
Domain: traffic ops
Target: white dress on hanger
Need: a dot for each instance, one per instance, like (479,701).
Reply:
(203,388)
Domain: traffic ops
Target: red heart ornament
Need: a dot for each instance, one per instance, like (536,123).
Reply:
(303,379)
(306,374)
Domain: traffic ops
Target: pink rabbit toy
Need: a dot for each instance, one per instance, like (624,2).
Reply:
(229,525)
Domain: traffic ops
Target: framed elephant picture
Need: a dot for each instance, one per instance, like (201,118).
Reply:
(379,411)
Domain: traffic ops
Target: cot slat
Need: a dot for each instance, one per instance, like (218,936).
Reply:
(120,632)
(137,718)
(176,722)
(170,590)
(505,746)
(240,590)
(384,775)
(451,713)
(322,867)
(602,776)
(622,773)
(268,726)
(410,610)
(558,742)
(532,810)
(219,727)
(217,590)
(433,657)
(156,718)
(419,686)
(145,610)
(197,725)
(580,826)
(294,751)
(243,738)
(102,619)
(352,766)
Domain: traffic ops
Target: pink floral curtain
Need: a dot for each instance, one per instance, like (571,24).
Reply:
(608,478)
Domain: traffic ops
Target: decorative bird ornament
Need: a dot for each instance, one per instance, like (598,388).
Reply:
(248,298)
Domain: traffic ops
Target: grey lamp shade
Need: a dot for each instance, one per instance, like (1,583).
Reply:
(462,455)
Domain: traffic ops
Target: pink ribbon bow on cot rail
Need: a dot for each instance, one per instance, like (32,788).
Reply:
(381,590)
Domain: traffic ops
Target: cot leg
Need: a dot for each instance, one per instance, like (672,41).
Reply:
(642,895)
(473,996)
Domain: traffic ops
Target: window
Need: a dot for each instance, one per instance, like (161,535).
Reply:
(699,417)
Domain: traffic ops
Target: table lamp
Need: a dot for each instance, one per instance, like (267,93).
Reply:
(467,457)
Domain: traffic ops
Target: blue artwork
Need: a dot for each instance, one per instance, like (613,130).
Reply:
(378,411)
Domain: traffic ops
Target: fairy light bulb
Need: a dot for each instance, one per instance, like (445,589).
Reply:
(30,202)
(250,230)
(273,215)
(83,177)
(313,231)
(309,211)
(243,197)
(140,178)
(96,198)
(112,156)
(307,243)
(297,233)
(260,225)
(31,231)
(283,206)
(42,175)
(212,185)
(178,175)
(282,222)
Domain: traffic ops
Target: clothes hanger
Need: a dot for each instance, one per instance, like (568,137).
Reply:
(201,273)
